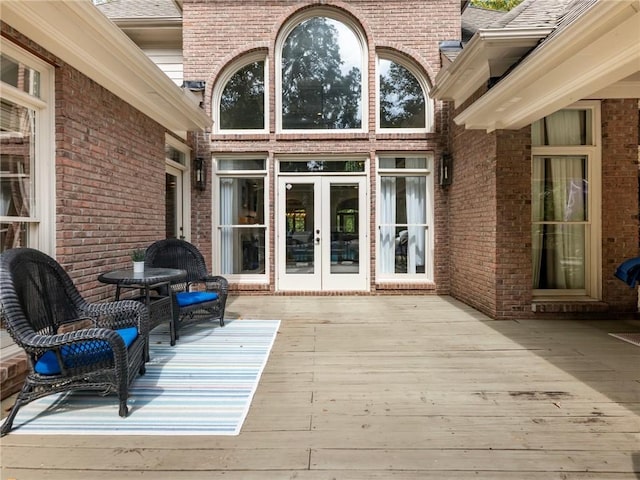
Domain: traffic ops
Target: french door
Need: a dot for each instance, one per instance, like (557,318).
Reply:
(322,233)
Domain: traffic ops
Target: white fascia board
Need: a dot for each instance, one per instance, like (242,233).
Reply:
(594,53)
(473,66)
(80,35)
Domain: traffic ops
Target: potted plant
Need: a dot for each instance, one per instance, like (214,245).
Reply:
(138,260)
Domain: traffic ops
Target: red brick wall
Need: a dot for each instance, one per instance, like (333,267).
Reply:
(513,224)
(217,32)
(472,219)
(110,178)
(490,215)
(619,198)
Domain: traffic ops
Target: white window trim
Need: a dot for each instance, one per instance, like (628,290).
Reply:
(186,182)
(425,91)
(229,72)
(428,172)
(255,279)
(593,241)
(42,232)
(364,67)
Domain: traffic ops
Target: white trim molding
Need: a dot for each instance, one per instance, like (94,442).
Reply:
(596,56)
(80,35)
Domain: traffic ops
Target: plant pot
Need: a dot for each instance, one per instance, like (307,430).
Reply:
(138,267)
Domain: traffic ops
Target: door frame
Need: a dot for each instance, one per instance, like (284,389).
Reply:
(322,279)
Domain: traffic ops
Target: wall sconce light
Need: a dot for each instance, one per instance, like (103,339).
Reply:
(446,169)
(200,169)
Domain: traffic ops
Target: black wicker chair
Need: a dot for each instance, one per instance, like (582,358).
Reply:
(71,344)
(200,296)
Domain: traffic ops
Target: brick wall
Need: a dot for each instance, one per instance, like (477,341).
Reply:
(490,215)
(110,178)
(619,198)
(217,32)
(472,219)
(110,173)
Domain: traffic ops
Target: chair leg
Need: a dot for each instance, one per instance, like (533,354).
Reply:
(8,423)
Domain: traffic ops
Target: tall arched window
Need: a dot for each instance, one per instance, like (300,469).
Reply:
(402,101)
(322,72)
(241,97)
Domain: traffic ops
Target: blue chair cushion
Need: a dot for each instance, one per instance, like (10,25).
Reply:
(94,351)
(190,298)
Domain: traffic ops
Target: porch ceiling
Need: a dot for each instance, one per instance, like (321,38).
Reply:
(80,35)
(597,56)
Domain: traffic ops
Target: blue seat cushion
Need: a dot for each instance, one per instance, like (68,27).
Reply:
(83,353)
(191,298)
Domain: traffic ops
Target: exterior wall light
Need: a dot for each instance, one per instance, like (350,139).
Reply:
(446,169)
(200,170)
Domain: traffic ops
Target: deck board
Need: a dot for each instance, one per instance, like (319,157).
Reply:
(399,388)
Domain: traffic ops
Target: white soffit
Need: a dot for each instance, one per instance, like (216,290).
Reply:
(489,53)
(80,35)
(598,56)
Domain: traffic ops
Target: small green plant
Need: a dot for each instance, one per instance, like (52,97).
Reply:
(138,255)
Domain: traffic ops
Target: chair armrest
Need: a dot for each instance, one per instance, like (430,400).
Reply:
(216,283)
(36,343)
(120,314)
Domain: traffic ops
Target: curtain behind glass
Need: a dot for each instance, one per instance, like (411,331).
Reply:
(559,200)
(387,224)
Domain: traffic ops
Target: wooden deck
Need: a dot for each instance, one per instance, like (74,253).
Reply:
(396,387)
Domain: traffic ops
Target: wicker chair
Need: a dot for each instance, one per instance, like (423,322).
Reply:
(71,344)
(200,296)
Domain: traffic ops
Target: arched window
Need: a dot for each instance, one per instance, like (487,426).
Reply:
(322,72)
(402,102)
(242,99)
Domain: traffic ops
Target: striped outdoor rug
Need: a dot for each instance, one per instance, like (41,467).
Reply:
(202,386)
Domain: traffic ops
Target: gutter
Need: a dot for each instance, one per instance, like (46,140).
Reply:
(473,66)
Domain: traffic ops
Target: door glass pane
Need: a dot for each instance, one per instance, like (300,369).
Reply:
(345,223)
(300,225)
(171,205)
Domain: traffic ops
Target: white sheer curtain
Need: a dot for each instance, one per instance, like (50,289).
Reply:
(387,224)
(559,196)
(228,212)
(416,217)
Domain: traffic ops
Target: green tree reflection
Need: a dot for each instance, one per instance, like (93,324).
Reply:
(319,89)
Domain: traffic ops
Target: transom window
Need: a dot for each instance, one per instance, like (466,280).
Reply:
(322,76)
(565,203)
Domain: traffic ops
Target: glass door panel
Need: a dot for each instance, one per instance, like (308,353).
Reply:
(173,203)
(322,234)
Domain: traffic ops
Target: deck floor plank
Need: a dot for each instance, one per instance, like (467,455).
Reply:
(397,388)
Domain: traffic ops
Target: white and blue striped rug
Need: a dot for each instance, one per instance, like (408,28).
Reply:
(202,386)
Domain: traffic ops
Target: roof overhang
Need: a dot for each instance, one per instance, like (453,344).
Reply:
(596,56)
(80,35)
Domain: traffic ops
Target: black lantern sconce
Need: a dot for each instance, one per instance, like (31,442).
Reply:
(446,170)
(200,170)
